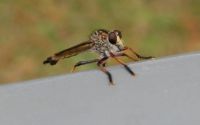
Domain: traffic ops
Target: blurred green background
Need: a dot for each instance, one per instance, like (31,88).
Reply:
(31,30)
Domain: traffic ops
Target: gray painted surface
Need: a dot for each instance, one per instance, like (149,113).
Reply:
(164,92)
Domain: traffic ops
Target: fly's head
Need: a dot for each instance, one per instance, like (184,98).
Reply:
(115,39)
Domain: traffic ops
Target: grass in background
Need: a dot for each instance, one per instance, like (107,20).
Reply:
(32,30)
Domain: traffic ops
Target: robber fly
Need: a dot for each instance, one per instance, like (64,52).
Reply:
(107,44)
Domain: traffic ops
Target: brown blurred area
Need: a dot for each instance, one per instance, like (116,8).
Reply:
(32,30)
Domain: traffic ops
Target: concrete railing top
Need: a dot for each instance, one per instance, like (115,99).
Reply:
(164,92)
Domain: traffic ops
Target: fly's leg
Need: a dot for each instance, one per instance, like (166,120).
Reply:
(139,56)
(124,54)
(101,65)
(84,63)
(122,63)
(104,64)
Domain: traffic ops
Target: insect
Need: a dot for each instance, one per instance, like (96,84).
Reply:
(107,44)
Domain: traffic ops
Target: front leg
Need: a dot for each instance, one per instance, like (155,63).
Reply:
(138,55)
(124,54)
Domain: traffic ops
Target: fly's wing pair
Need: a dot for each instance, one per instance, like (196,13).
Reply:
(72,51)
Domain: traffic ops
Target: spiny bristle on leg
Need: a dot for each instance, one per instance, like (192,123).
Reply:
(50,60)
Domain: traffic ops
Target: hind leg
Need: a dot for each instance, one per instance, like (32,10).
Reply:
(84,63)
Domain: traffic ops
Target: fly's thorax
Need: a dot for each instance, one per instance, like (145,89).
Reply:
(101,46)
(100,40)
(106,42)
(99,34)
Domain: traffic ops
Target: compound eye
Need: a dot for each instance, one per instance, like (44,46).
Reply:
(112,38)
